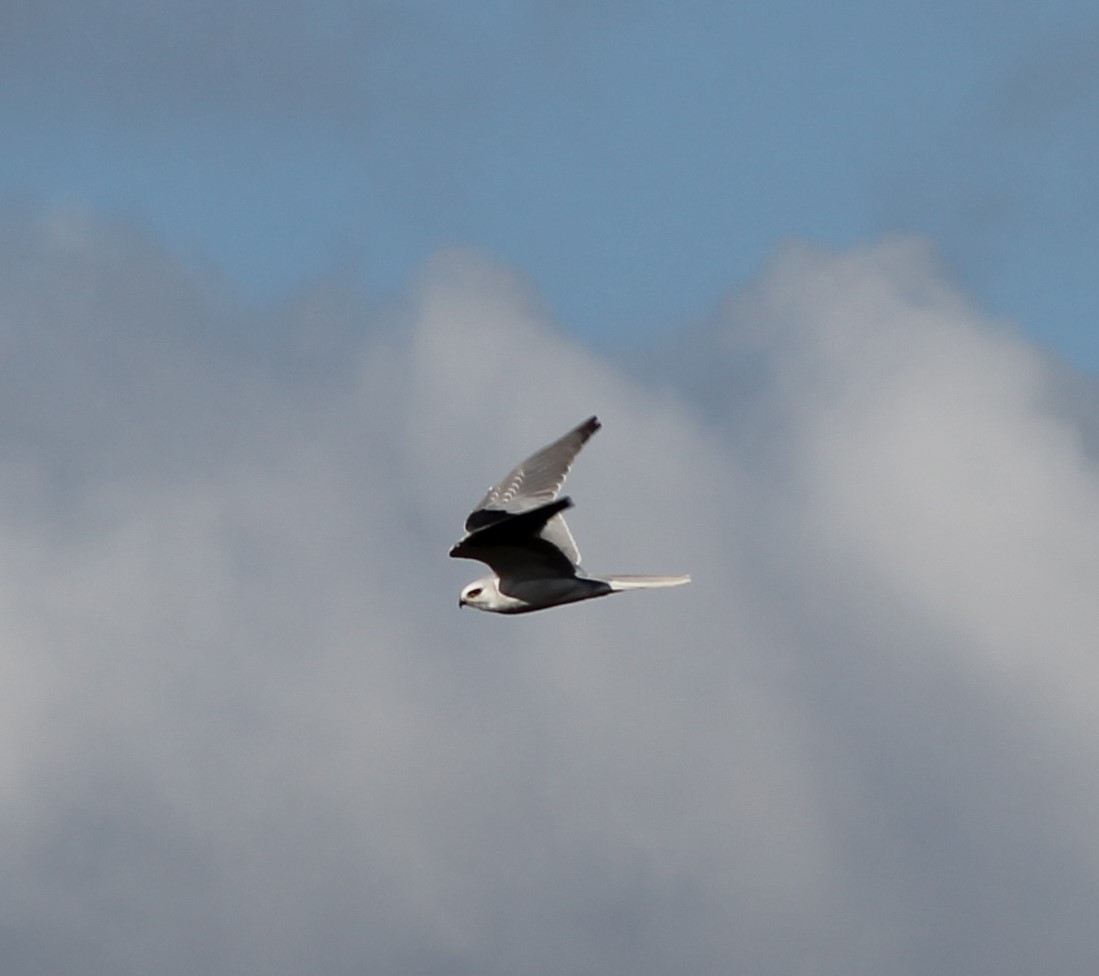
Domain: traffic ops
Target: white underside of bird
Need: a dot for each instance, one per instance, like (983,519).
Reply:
(519,532)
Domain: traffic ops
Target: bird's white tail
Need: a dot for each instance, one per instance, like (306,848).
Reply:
(617,583)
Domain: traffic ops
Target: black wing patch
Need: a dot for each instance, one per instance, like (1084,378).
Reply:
(485,517)
(501,531)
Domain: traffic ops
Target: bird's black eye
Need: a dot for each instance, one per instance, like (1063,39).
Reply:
(475,592)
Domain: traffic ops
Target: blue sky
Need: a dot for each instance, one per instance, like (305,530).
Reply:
(635,161)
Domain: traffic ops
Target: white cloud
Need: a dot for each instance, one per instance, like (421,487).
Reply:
(245,728)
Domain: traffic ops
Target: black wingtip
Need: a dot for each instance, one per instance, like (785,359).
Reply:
(591,425)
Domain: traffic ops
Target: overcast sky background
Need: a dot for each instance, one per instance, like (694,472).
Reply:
(283,287)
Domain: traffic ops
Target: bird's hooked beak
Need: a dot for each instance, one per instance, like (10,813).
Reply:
(461,602)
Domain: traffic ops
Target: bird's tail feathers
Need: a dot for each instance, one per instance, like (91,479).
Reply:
(617,583)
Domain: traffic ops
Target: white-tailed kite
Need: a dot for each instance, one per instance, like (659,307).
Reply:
(518,530)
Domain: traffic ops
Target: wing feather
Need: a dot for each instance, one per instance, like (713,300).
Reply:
(518,547)
(535,481)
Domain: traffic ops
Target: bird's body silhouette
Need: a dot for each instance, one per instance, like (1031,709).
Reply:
(518,530)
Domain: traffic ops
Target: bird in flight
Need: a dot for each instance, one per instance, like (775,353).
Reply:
(518,531)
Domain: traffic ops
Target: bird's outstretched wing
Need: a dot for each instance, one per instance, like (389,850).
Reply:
(535,483)
(517,548)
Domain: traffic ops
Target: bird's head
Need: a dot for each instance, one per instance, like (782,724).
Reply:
(483,594)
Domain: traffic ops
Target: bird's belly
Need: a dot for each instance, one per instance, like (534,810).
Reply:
(538,594)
